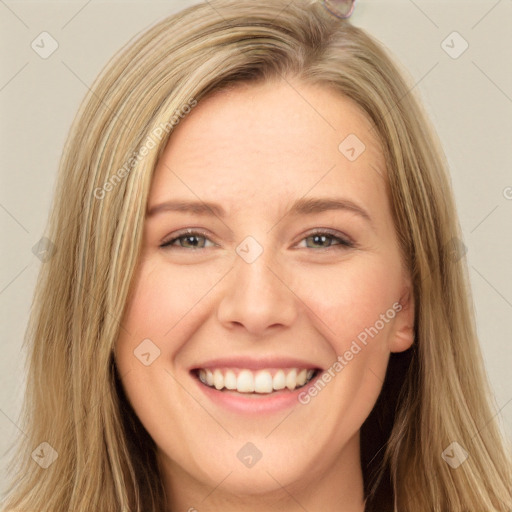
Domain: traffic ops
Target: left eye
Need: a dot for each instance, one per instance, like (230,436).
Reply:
(196,240)
(322,238)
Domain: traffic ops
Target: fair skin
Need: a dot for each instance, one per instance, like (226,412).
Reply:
(255,150)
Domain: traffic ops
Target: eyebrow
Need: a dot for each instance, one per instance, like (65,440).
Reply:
(302,206)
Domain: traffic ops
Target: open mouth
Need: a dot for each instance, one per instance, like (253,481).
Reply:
(263,381)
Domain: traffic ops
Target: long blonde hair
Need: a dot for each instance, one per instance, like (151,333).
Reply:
(434,394)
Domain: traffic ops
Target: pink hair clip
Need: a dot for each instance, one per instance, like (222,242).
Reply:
(340,8)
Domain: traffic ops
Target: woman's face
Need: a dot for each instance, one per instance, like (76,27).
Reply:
(269,257)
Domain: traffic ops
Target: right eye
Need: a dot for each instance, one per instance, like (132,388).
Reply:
(187,240)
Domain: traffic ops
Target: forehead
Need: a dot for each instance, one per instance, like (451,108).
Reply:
(271,141)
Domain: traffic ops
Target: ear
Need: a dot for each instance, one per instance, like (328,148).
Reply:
(403,333)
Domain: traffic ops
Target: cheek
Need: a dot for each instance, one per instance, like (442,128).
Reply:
(353,299)
(353,307)
(166,306)
(165,296)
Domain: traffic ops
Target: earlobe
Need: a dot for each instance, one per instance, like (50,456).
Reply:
(403,336)
(403,339)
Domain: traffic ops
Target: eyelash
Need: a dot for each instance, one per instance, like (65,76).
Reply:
(343,242)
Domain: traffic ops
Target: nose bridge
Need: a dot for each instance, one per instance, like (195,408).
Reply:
(256,276)
(256,295)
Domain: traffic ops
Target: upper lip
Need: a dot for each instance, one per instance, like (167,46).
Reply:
(260,363)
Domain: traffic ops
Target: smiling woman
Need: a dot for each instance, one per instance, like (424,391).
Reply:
(267,311)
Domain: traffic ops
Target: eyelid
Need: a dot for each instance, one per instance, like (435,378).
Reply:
(188,231)
(344,240)
(333,233)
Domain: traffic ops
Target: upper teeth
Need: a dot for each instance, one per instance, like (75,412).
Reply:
(262,381)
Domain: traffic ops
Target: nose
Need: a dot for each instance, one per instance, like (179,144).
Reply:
(257,296)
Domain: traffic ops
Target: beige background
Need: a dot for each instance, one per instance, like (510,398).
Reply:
(469,99)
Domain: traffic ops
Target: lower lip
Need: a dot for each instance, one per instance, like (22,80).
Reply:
(255,403)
